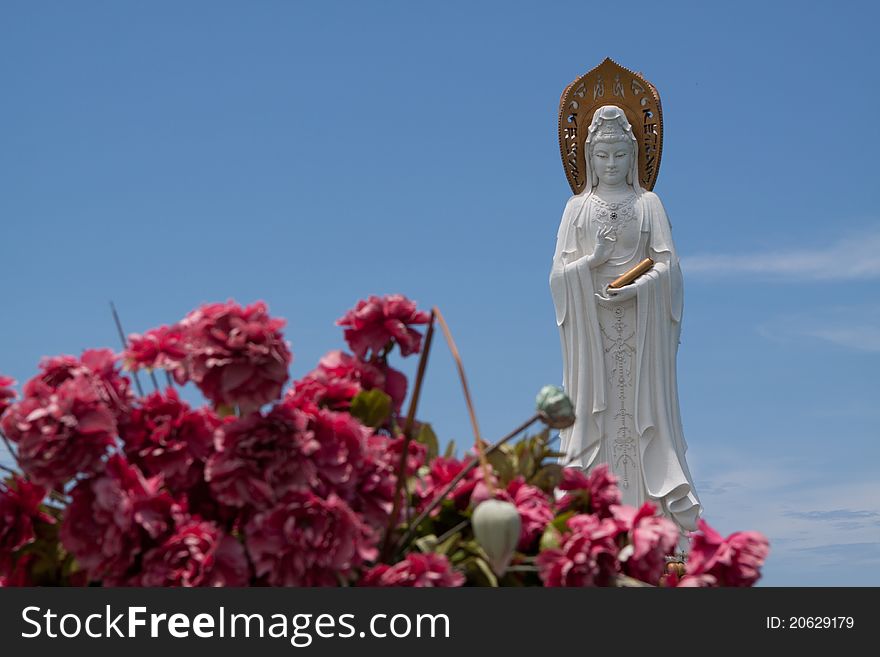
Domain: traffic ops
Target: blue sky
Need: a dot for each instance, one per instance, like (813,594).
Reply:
(310,154)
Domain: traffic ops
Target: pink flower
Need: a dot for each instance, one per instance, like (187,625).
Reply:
(165,436)
(375,322)
(308,541)
(335,381)
(260,457)
(417,570)
(441,472)
(732,561)
(19,573)
(588,556)
(652,538)
(236,356)
(595,493)
(114,517)
(20,502)
(64,431)
(534,509)
(97,365)
(377,476)
(196,554)
(6,393)
(339,455)
(162,347)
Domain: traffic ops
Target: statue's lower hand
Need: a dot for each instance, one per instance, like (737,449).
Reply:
(618,294)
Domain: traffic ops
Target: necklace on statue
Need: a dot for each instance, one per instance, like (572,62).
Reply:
(617,212)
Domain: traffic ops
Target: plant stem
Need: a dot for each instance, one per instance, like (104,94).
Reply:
(11,451)
(400,484)
(137,381)
(478,442)
(447,534)
(474,462)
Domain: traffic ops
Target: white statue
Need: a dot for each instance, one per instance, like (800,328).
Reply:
(619,346)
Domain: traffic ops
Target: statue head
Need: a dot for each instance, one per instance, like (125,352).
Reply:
(611,149)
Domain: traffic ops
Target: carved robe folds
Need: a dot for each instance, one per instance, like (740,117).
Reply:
(619,358)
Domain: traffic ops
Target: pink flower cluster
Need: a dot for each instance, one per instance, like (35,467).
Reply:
(20,502)
(340,376)
(126,529)
(376,323)
(261,488)
(416,570)
(236,356)
(717,561)
(68,417)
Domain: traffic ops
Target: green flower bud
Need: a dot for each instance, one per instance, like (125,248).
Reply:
(496,527)
(555,407)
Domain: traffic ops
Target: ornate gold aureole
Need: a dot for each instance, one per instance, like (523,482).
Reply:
(610,84)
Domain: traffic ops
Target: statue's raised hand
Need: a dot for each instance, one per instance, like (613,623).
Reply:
(605,238)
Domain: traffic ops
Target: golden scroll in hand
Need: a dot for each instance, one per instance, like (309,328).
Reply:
(628,277)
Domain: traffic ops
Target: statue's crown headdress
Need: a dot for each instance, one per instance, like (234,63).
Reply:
(623,94)
(611,130)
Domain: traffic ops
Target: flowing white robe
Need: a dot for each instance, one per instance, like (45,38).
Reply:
(665,478)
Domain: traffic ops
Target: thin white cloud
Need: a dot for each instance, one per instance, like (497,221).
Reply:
(818,521)
(854,327)
(853,257)
(863,338)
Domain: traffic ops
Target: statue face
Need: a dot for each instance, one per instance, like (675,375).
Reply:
(611,161)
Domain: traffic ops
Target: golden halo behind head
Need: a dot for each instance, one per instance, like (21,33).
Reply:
(610,84)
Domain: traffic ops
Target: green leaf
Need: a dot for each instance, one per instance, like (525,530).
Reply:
(428,438)
(450,450)
(371,407)
(484,571)
(560,520)
(449,545)
(551,538)
(548,477)
(225,410)
(502,464)
(426,543)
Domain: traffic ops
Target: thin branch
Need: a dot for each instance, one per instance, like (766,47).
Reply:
(137,381)
(400,483)
(474,462)
(478,442)
(11,451)
(447,534)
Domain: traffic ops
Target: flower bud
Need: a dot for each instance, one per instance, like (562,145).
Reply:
(555,407)
(497,527)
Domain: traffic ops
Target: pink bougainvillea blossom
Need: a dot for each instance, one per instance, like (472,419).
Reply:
(7,394)
(236,356)
(20,502)
(259,457)
(732,561)
(587,556)
(163,435)
(652,539)
(62,433)
(534,510)
(114,517)
(162,347)
(198,553)
(599,488)
(305,540)
(416,570)
(376,321)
